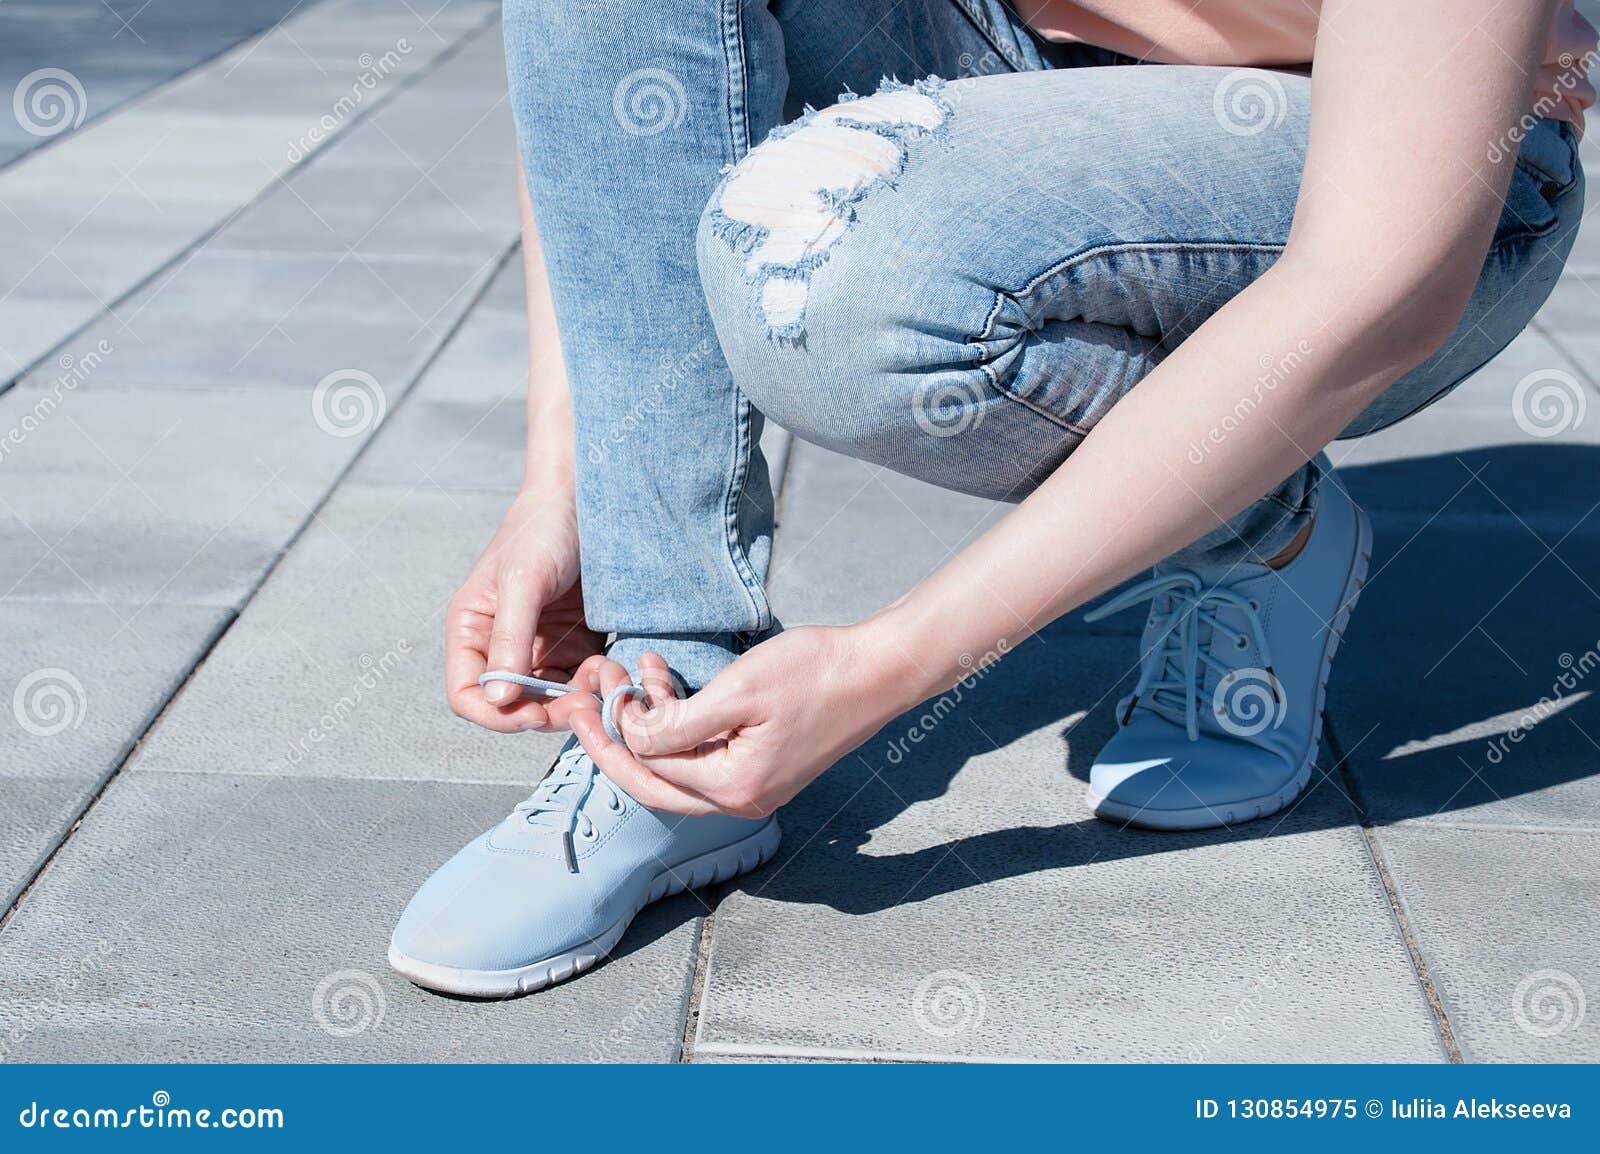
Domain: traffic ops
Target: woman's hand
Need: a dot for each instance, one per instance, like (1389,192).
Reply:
(757,734)
(521,608)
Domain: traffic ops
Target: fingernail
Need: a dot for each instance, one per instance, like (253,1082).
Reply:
(498,692)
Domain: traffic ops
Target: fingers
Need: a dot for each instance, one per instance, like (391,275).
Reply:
(516,617)
(466,638)
(619,765)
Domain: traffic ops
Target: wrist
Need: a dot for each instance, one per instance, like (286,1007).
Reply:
(907,665)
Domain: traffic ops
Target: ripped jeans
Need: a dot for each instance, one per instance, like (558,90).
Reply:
(955,279)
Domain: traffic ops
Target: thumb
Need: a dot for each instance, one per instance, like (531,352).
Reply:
(672,725)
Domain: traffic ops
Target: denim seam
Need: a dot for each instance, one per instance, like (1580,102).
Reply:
(733,491)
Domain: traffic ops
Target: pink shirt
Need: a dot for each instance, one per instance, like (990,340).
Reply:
(1280,33)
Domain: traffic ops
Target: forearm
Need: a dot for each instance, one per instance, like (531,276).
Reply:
(1247,399)
(548,465)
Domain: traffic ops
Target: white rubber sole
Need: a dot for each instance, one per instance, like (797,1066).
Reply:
(717,866)
(1213,817)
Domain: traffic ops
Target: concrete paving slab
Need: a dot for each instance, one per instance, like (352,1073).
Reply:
(83,682)
(1507,923)
(1465,692)
(116,56)
(155,495)
(245,918)
(287,322)
(1569,315)
(953,897)
(1501,448)
(464,210)
(185,147)
(880,533)
(335,667)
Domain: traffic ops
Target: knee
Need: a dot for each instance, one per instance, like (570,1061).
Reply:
(788,260)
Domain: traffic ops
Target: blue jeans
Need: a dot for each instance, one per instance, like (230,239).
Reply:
(955,280)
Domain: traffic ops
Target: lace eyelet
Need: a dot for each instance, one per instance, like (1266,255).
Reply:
(1241,643)
(1255,606)
(614,805)
(587,836)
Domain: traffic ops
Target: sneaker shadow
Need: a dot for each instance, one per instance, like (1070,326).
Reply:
(1485,590)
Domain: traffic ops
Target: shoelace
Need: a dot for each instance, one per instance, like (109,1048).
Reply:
(558,801)
(1179,646)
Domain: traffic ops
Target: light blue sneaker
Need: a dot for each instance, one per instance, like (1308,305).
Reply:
(1225,722)
(549,891)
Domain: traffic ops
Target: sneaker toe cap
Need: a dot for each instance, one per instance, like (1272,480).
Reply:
(1212,781)
(486,910)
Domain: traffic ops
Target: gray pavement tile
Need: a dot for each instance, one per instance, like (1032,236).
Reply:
(473,128)
(118,56)
(953,897)
(1506,924)
(335,667)
(1465,687)
(220,917)
(157,494)
(464,426)
(1570,314)
(83,682)
(880,534)
(454,210)
(235,319)
(454,445)
(1501,448)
